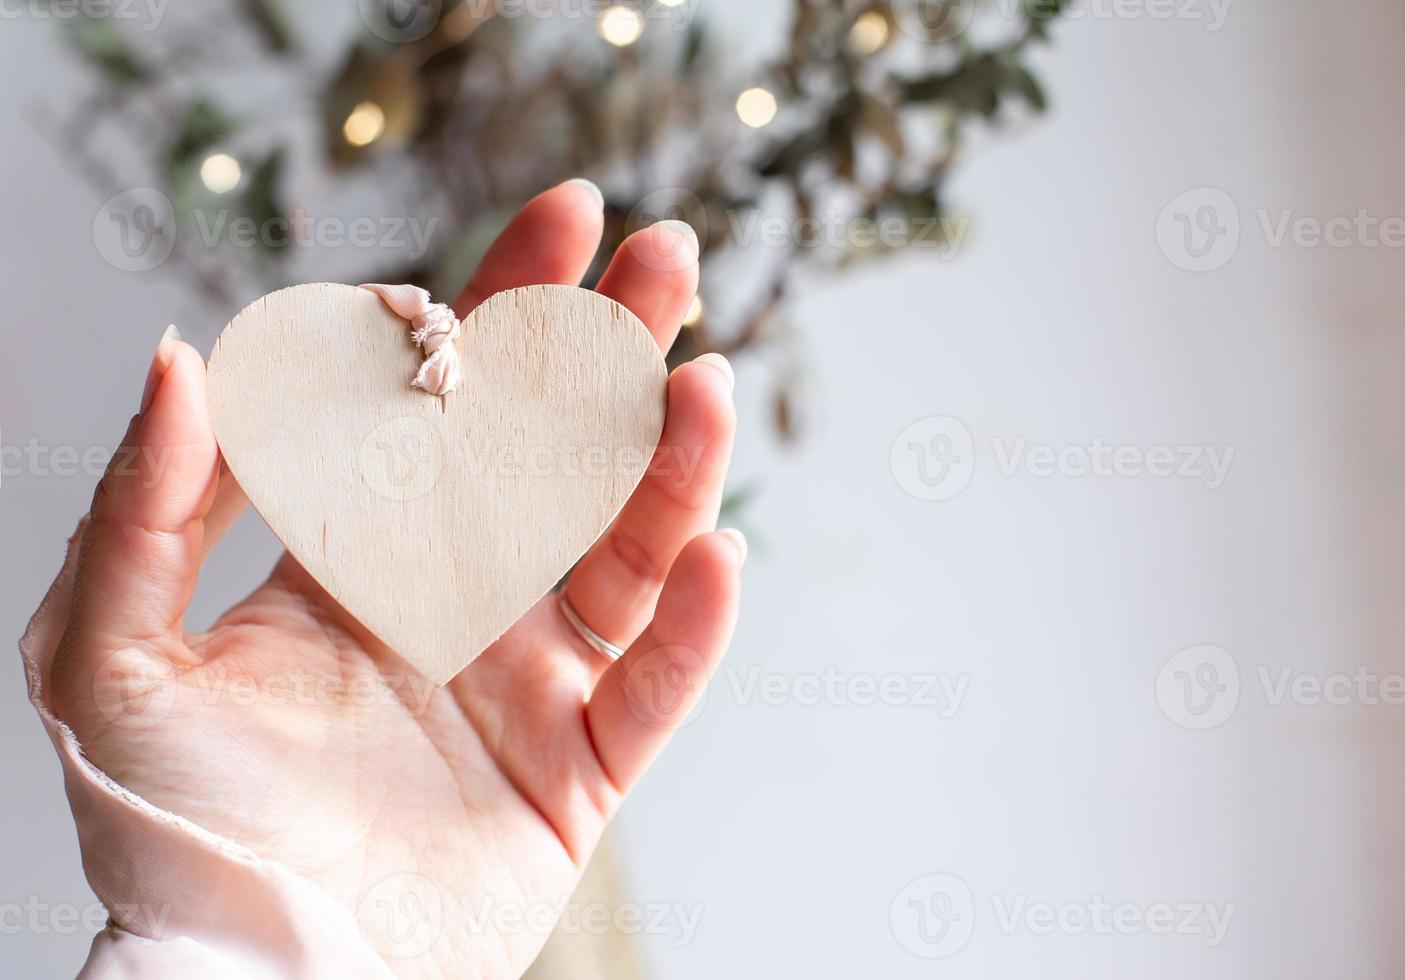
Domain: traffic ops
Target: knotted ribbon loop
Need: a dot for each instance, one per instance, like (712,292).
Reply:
(433,327)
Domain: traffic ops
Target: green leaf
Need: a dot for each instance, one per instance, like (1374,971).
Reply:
(974,86)
(789,157)
(1043,10)
(270,21)
(694,43)
(263,200)
(99,42)
(202,127)
(737,500)
(1027,86)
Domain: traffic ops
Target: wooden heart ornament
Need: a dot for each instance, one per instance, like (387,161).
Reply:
(437,521)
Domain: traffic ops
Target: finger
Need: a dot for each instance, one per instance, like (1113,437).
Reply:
(654,275)
(648,693)
(551,240)
(144,542)
(615,586)
(230,502)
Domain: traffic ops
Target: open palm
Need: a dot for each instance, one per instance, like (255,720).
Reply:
(427,812)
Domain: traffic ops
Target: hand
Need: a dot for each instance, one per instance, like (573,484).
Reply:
(289,729)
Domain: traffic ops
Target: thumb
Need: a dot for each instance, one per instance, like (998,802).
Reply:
(144,540)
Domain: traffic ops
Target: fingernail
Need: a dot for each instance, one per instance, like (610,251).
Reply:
(588,185)
(738,539)
(683,230)
(160,362)
(721,364)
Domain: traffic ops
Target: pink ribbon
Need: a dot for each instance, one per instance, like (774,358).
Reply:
(433,327)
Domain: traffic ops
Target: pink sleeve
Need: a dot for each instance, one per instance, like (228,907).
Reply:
(183,902)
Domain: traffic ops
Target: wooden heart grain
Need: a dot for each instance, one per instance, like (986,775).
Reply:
(437,522)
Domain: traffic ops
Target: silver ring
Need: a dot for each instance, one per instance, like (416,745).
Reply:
(593,639)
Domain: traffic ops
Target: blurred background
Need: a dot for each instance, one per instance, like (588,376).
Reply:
(1067,348)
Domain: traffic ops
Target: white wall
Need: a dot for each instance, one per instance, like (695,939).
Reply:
(1061,777)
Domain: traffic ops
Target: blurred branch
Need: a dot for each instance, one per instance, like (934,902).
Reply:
(860,119)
